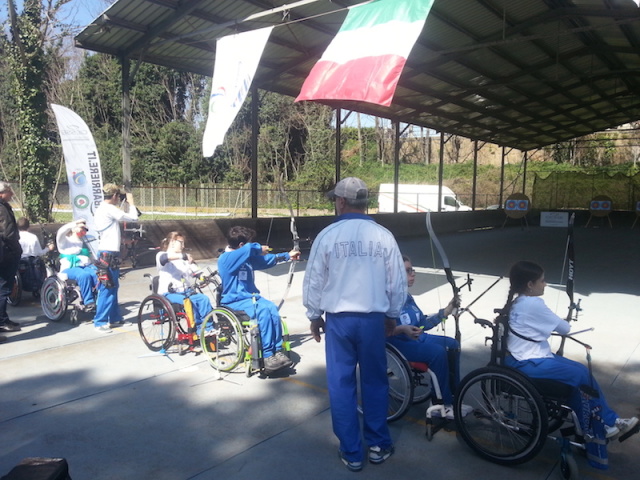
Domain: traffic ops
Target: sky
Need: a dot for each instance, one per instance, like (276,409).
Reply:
(83,12)
(76,12)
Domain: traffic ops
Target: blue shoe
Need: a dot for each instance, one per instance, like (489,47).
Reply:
(352,466)
(378,455)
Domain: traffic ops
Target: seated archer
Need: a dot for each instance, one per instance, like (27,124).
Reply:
(75,261)
(176,272)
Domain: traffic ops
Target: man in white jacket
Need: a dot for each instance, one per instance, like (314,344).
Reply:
(356,277)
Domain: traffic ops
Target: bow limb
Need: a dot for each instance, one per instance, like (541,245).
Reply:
(296,243)
(570,258)
(448,273)
(571,270)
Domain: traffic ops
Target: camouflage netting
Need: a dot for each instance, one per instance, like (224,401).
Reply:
(565,190)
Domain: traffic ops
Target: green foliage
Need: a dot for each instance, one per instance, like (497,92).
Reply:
(28,61)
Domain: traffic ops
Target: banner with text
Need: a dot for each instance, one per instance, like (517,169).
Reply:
(237,58)
(84,174)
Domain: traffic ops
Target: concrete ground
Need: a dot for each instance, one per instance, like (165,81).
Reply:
(115,411)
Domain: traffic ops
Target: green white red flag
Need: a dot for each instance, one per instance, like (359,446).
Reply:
(365,59)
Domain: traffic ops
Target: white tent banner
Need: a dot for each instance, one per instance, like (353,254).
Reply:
(237,58)
(84,174)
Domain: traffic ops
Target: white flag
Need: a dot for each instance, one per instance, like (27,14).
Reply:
(84,174)
(237,58)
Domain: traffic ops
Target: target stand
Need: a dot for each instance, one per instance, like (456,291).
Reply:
(600,207)
(517,206)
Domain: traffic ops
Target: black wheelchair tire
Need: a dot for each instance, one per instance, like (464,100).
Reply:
(508,424)
(16,292)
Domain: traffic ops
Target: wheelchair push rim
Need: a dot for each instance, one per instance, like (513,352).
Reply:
(222,340)
(508,424)
(157,323)
(53,299)
(401,387)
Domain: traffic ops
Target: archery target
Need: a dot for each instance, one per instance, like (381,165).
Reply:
(517,205)
(600,206)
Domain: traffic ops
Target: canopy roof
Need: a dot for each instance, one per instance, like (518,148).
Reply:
(517,73)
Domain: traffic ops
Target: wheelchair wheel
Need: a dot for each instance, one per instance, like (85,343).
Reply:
(508,424)
(569,467)
(222,340)
(400,384)
(53,298)
(157,323)
(16,293)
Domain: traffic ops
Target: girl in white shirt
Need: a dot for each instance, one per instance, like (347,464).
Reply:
(531,323)
(176,271)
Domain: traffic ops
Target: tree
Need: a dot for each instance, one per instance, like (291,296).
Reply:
(26,55)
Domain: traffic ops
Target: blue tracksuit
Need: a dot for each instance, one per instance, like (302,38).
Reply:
(431,349)
(239,291)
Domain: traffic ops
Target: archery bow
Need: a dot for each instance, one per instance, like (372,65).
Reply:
(448,273)
(296,243)
(571,266)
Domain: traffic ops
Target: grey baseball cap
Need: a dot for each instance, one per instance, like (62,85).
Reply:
(351,187)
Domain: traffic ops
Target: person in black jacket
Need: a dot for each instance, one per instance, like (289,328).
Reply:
(10,252)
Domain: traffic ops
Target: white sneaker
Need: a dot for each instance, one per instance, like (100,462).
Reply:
(466,409)
(448,411)
(611,431)
(444,411)
(625,424)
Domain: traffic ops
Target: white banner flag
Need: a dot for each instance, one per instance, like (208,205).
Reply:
(84,174)
(237,58)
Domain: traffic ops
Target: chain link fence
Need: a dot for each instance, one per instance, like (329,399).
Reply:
(556,191)
(162,202)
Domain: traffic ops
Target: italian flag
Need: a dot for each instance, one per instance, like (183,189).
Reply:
(365,59)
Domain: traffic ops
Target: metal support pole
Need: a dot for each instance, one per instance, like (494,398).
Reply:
(396,165)
(440,171)
(126,123)
(504,154)
(338,142)
(475,175)
(524,173)
(254,151)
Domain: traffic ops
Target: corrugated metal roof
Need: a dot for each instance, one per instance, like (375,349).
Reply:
(523,73)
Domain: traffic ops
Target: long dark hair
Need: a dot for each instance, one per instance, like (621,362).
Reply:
(520,275)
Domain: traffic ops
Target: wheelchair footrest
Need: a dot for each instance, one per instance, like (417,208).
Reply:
(631,432)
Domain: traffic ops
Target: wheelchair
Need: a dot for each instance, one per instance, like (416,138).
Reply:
(230,337)
(225,338)
(513,414)
(32,272)
(409,383)
(56,294)
(162,324)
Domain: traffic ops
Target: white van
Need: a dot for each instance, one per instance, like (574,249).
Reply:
(418,198)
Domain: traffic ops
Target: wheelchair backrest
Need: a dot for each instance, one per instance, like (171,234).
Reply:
(155,281)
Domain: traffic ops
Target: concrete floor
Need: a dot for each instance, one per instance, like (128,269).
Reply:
(116,412)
